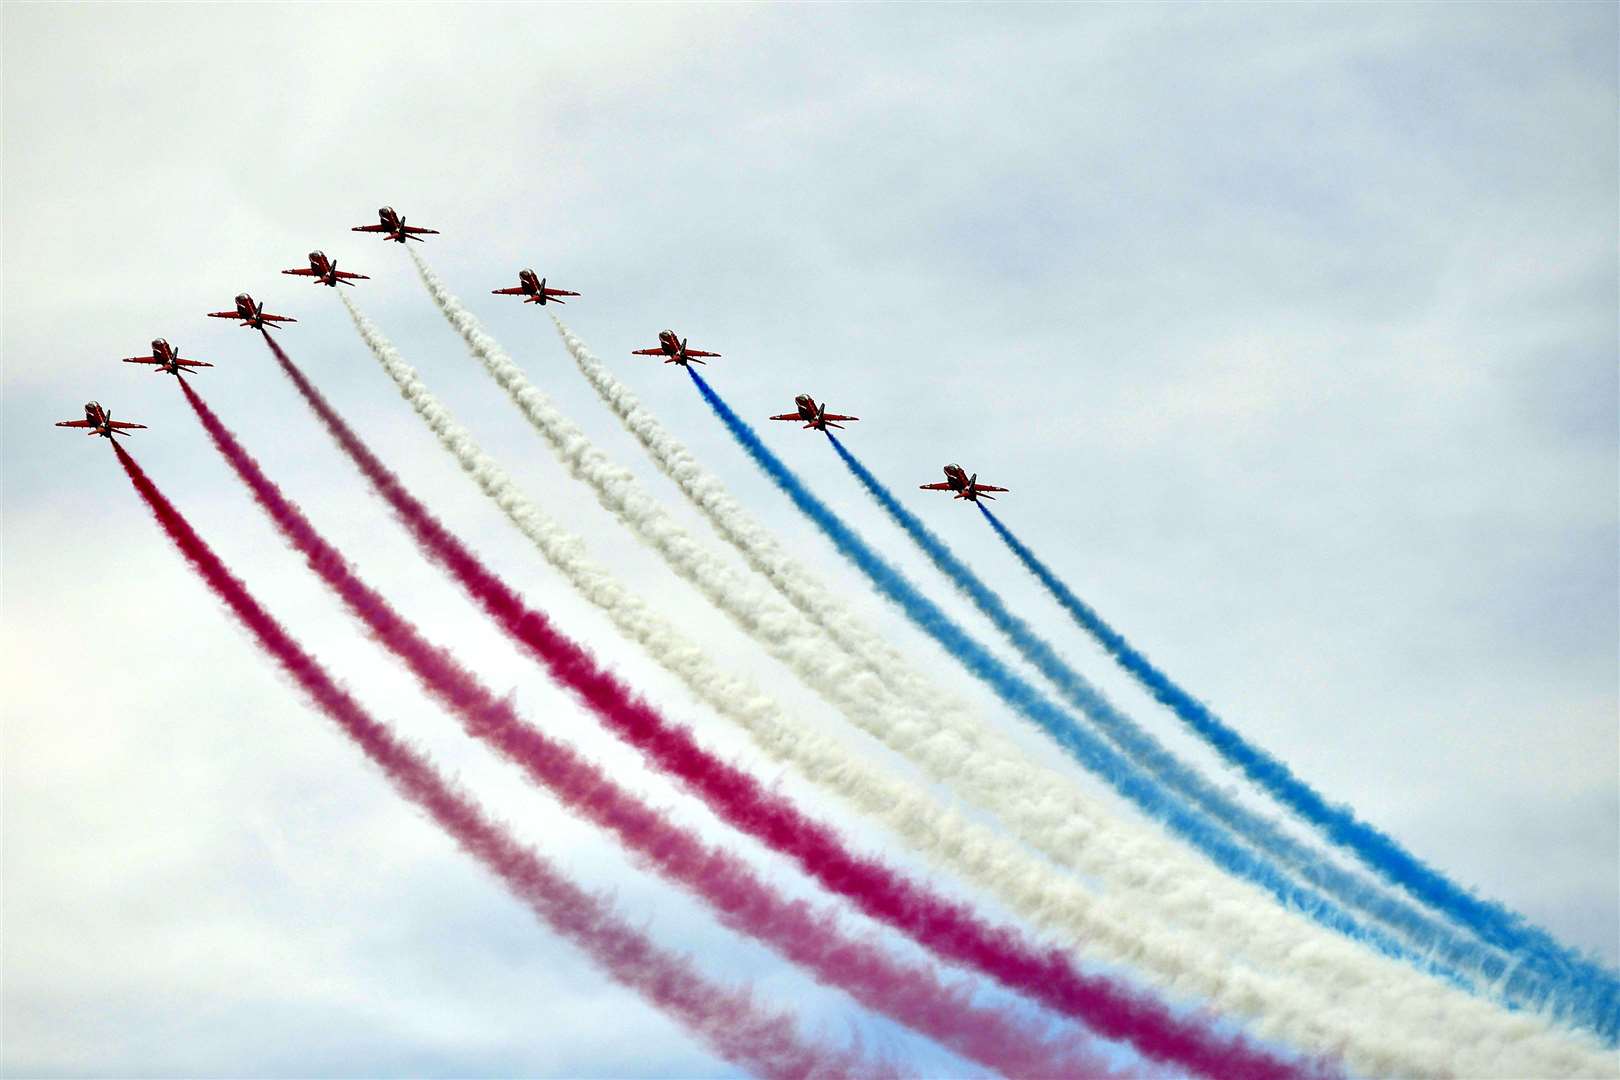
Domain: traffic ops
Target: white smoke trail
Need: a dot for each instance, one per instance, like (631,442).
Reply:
(1016,798)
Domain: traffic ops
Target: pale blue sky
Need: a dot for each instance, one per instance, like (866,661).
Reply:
(1293,329)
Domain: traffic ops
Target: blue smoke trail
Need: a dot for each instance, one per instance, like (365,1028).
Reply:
(1146,751)
(1497,924)
(1233,857)
(1529,981)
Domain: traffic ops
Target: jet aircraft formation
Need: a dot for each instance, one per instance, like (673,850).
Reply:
(323,270)
(671,349)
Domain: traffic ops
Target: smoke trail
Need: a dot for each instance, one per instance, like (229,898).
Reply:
(1162,913)
(1157,874)
(912,994)
(725,1019)
(948,928)
(1492,921)
(1441,942)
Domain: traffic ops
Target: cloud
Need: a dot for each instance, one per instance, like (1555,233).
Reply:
(1293,331)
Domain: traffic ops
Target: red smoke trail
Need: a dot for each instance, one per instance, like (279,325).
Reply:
(911,994)
(948,928)
(726,1019)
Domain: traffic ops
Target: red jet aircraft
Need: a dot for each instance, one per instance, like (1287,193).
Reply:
(672,350)
(533,290)
(167,358)
(99,421)
(251,314)
(966,487)
(394,226)
(325,271)
(813,415)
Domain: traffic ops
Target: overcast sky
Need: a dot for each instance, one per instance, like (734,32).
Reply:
(1292,328)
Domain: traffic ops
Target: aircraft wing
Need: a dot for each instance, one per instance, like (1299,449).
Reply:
(143,360)
(370,228)
(987,487)
(224,315)
(560,292)
(700,352)
(305,272)
(646,352)
(278,318)
(414,229)
(934,487)
(193,363)
(829,417)
(516,290)
(122,424)
(74,423)
(788,416)
(344,275)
